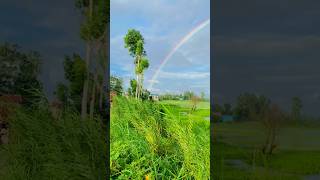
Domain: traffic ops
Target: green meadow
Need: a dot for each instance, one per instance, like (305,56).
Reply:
(159,140)
(237,152)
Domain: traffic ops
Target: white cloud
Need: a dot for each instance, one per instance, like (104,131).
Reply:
(184,75)
(153,81)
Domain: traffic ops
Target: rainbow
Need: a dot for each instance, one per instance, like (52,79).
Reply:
(175,48)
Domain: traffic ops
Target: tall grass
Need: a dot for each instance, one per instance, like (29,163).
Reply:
(149,139)
(41,147)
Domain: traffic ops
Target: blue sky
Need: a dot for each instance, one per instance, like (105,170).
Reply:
(163,23)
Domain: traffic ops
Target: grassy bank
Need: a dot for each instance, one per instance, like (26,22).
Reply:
(42,147)
(158,141)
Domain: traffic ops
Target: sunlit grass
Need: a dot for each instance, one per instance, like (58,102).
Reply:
(154,140)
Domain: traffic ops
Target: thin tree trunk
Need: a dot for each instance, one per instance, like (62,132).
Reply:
(103,67)
(138,79)
(84,101)
(93,96)
(137,86)
(101,94)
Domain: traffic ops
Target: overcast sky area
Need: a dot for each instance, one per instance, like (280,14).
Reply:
(49,27)
(267,47)
(163,23)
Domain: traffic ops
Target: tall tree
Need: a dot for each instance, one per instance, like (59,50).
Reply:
(134,42)
(93,29)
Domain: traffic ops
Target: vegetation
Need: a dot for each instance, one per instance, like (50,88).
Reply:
(134,41)
(18,72)
(56,139)
(42,146)
(116,85)
(158,141)
(187,95)
(94,31)
(265,142)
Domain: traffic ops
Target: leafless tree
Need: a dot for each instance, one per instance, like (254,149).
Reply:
(272,122)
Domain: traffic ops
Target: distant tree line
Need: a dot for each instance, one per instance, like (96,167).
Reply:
(116,86)
(250,107)
(187,95)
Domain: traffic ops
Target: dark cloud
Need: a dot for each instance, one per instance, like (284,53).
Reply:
(267,47)
(49,27)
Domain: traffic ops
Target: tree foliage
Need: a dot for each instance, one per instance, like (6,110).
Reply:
(134,42)
(116,84)
(97,18)
(75,73)
(19,72)
(250,106)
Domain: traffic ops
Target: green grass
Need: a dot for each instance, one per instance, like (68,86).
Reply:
(295,158)
(45,148)
(157,140)
(187,103)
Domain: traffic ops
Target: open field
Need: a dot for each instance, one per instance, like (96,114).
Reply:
(187,103)
(158,140)
(238,152)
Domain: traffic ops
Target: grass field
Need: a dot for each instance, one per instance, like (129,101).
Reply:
(187,103)
(237,152)
(158,140)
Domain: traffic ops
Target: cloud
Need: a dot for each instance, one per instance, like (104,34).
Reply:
(184,75)
(153,81)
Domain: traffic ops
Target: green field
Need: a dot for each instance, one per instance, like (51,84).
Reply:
(237,152)
(187,103)
(159,140)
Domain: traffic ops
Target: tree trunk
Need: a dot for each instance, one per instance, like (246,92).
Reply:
(101,94)
(138,79)
(84,101)
(103,67)
(93,96)
(137,88)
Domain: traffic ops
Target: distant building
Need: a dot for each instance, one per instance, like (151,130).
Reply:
(154,97)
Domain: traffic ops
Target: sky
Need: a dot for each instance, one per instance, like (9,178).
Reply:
(163,23)
(49,27)
(267,47)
